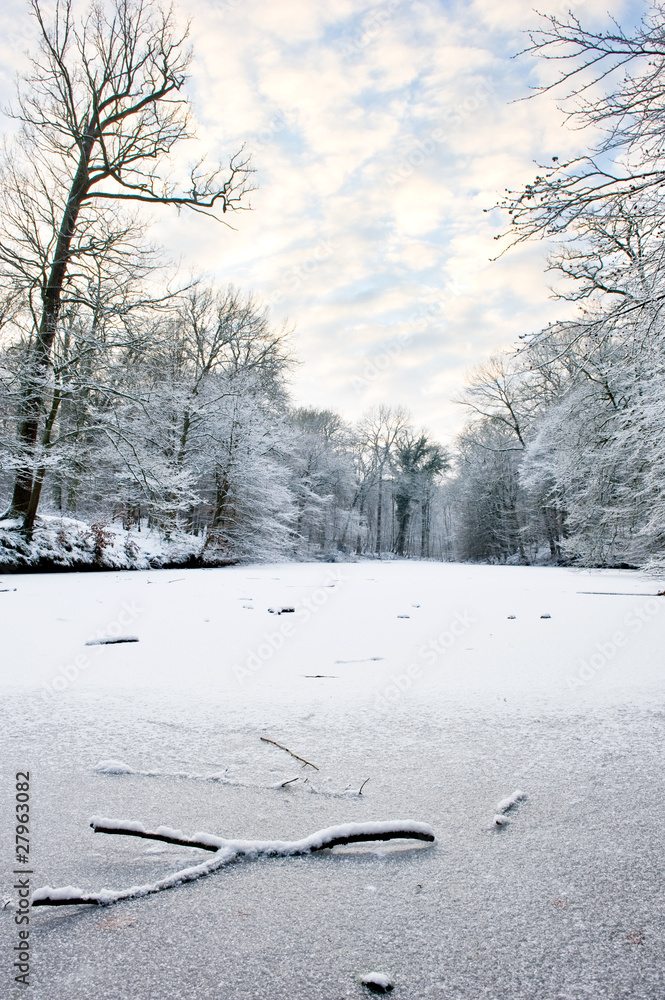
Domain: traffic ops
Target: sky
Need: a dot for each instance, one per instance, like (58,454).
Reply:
(381,135)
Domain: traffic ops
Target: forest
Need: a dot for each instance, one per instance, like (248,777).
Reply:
(132,400)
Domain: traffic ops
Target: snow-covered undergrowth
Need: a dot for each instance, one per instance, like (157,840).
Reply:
(65,543)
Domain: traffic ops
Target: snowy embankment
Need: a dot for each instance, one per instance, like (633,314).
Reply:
(62,543)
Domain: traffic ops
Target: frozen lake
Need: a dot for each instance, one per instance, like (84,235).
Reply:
(448,686)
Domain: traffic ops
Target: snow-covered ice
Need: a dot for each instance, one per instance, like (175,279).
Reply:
(446,712)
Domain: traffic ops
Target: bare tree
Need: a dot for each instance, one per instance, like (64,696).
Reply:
(100,113)
(629,116)
(379,430)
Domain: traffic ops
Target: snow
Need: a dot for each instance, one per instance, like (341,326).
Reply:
(447,713)
(64,541)
(379,982)
(118,824)
(113,767)
(505,804)
(66,892)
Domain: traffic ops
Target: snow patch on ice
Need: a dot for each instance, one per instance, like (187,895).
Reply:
(378,982)
(505,804)
(113,767)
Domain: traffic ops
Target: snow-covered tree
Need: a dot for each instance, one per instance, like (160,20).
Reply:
(99,113)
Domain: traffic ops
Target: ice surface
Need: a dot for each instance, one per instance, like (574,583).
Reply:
(446,714)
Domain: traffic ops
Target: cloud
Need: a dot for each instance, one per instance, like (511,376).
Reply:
(380,133)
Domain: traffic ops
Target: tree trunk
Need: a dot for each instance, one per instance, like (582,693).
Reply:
(403,505)
(27,486)
(38,481)
(424,529)
(378,518)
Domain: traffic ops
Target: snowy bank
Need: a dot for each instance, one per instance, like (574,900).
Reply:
(62,543)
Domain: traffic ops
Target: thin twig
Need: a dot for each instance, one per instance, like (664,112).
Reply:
(360,790)
(274,743)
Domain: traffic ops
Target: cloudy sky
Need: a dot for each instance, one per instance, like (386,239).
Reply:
(379,134)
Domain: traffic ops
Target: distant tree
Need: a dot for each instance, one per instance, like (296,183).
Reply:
(318,449)
(378,432)
(419,462)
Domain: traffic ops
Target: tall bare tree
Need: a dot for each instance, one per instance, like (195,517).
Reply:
(101,112)
(379,431)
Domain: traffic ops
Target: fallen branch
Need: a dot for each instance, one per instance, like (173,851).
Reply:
(505,805)
(112,641)
(621,593)
(225,852)
(266,740)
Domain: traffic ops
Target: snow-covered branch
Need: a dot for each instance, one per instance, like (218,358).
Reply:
(225,852)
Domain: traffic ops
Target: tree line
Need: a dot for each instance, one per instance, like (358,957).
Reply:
(563,454)
(129,394)
(177,416)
